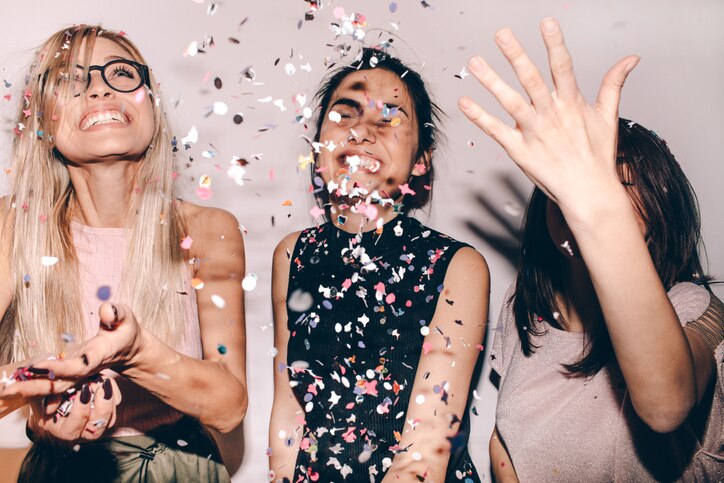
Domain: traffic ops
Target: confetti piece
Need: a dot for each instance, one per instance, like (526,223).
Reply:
(218,301)
(221,348)
(182,443)
(186,242)
(104,292)
(163,376)
(513,209)
(334,116)
(249,283)
(238,118)
(220,108)
(197,283)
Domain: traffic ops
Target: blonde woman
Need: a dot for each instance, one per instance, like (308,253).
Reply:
(119,355)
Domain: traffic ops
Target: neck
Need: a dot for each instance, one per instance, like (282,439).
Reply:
(360,220)
(103,193)
(578,302)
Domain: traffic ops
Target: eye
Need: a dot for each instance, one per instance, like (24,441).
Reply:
(122,71)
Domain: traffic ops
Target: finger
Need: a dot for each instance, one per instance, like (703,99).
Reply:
(36,387)
(527,73)
(560,60)
(102,411)
(492,126)
(518,108)
(609,95)
(111,315)
(71,426)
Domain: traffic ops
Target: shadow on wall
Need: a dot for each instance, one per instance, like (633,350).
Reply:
(507,219)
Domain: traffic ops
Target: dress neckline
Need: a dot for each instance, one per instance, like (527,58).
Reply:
(78,227)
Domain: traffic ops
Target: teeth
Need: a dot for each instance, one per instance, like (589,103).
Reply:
(356,162)
(103,117)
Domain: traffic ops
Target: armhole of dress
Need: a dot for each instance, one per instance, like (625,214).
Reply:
(710,325)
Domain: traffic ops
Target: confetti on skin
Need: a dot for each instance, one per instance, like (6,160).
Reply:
(513,209)
(186,243)
(218,301)
(103,293)
(221,348)
(163,376)
(197,283)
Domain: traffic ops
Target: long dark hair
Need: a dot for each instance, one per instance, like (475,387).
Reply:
(428,114)
(668,207)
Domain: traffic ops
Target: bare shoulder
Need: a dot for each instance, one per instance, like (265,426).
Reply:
(285,247)
(216,238)
(468,263)
(201,219)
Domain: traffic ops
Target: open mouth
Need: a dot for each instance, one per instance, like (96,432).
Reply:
(357,162)
(103,117)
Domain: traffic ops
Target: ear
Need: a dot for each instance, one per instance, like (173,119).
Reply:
(422,166)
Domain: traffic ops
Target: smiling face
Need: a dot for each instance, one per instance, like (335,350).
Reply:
(100,123)
(369,137)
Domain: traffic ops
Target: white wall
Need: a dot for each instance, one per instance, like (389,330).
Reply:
(676,90)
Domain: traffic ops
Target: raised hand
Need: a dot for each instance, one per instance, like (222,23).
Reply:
(84,414)
(566,146)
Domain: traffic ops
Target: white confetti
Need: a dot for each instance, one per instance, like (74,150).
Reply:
(48,261)
(219,301)
(249,282)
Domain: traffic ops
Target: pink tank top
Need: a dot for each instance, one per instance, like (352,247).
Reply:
(101,255)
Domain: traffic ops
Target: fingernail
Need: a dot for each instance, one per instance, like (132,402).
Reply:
(504,37)
(107,389)
(84,358)
(549,25)
(464,102)
(85,394)
(115,314)
(477,65)
(38,370)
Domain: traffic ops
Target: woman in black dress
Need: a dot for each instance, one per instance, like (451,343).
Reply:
(379,320)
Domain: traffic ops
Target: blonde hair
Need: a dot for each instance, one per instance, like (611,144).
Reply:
(47,299)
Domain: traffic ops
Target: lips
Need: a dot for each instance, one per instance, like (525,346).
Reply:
(105,116)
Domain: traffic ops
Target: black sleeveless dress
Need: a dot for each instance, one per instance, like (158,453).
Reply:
(356,306)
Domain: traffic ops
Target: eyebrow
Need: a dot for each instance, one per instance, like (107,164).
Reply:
(345,101)
(107,59)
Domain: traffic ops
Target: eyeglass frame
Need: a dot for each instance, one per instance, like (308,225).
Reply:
(142,69)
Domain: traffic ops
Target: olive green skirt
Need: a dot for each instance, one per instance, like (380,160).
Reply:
(180,453)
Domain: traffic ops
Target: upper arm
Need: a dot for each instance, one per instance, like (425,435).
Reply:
(280,280)
(219,249)
(451,348)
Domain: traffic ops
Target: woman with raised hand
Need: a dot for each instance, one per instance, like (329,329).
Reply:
(120,392)
(609,341)
(379,320)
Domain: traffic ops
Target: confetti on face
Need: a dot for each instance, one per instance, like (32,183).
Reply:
(186,243)
(197,283)
(221,348)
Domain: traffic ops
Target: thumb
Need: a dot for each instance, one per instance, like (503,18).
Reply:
(112,315)
(609,95)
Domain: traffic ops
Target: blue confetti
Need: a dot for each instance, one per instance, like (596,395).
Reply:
(104,292)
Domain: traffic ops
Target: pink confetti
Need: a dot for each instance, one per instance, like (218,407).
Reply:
(186,243)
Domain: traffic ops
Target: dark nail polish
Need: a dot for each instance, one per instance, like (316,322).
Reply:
(107,389)
(115,314)
(38,371)
(85,359)
(85,394)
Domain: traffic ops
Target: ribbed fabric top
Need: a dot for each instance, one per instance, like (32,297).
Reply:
(356,306)
(101,257)
(559,428)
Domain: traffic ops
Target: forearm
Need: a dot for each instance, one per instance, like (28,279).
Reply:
(500,461)
(206,390)
(285,435)
(648,341)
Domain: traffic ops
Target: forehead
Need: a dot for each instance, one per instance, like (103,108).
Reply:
(105,50)
(376,84)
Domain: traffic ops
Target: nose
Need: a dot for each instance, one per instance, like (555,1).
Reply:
(97,88)
(363,131)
